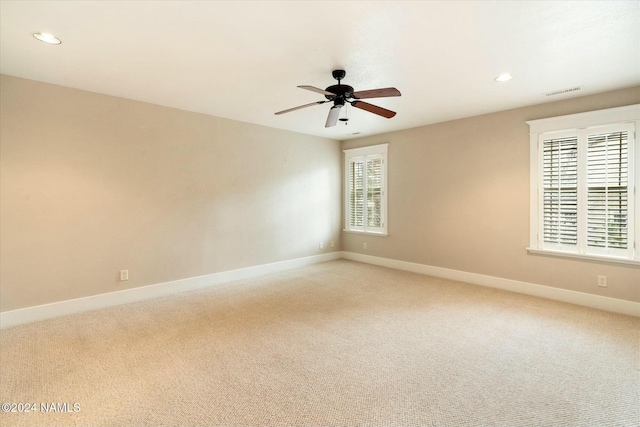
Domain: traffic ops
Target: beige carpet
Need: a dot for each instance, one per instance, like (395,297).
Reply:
(335,344)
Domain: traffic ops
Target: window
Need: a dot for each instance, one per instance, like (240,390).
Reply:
(366,189)
(584,175)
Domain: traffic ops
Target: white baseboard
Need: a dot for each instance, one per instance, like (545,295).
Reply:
(94,302)
(589,300)
(47,311)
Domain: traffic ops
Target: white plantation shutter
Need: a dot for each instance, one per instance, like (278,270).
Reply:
(560,194)
(584,184)
(365,201)
(356,193)
(608,191)
(374,192)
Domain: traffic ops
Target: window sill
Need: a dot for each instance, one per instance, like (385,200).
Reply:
(595,258)
(367,233)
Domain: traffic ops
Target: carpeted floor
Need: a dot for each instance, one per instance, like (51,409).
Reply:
(334,344)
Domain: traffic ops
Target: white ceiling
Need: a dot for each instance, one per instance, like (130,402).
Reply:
(243,60)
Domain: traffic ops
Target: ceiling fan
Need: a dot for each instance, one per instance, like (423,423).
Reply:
(341,95)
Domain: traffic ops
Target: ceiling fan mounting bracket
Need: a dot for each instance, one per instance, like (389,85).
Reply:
(338,74)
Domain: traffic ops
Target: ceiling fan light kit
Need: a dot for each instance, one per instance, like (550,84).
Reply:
(342,95)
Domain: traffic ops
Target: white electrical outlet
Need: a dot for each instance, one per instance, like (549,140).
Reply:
(364,245)
(124,275)
(321,245)
(331,243)
(602,281)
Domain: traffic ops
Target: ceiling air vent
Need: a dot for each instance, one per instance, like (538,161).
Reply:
(562,91)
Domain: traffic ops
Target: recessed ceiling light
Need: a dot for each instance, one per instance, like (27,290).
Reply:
(504,77)
(47,38)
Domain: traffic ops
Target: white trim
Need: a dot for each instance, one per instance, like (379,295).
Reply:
(94,302)
(589,300)
(588,257)
(634,180)
(366,151)
(363,154)
(367,233)
(627,113)
(583,124)
(535,166)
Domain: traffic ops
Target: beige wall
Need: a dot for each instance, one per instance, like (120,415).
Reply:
(92,184)
(459,199)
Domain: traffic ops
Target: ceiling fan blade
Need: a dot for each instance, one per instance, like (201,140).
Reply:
(373,109)
(332,119)
(376,93)
(298,108)
(315,89)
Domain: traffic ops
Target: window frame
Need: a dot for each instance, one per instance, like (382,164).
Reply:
(582,125)
(364,153)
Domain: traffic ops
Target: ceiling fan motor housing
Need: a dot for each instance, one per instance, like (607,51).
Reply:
(342,92)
